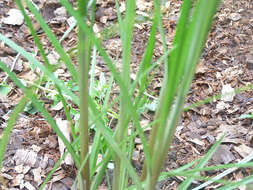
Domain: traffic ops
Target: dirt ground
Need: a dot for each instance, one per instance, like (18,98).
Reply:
(226,63)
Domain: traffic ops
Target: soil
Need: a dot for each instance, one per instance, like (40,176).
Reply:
(226,63)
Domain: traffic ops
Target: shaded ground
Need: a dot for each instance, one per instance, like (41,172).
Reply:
(226,60)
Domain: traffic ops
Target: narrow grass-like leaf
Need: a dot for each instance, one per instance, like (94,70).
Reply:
(42,51)
(12,76)
(201,164)
(162,136)
(221,167)
(53,40)
(56,166)
(148,55)
(53,170)
(126,31)
(106,158)
(34,35)
(244,181)
(176,70)
(145,64)
(169,89)
(80,171)
(115,147)
(97,43)
(100,175)
(217,97)
(10,124)
(94,153)
(92,37)
(163,38)
(149,69)
(106,58)
(108,61)
(42,110)
(34,61)
(56,129)
(95,147)
(165,175)
(225,173)
(96,140)
(127,27)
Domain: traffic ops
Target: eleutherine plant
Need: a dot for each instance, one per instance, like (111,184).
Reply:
(116,146)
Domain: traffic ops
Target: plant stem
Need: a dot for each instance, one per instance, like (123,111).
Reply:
(83,48)
(121,132)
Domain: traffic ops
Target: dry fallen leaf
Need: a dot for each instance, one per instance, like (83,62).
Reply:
(227,93)
(53,58)
(25,157)
(235,16)
(221,106)
(18,180)
(144,5)
(58,177)
(223,155)
(29,186)
(201,68)
(15,17)
(243,150)
(37,175)
(15,66)
(232,131)
(60,15)
(58,106)
(64,126)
